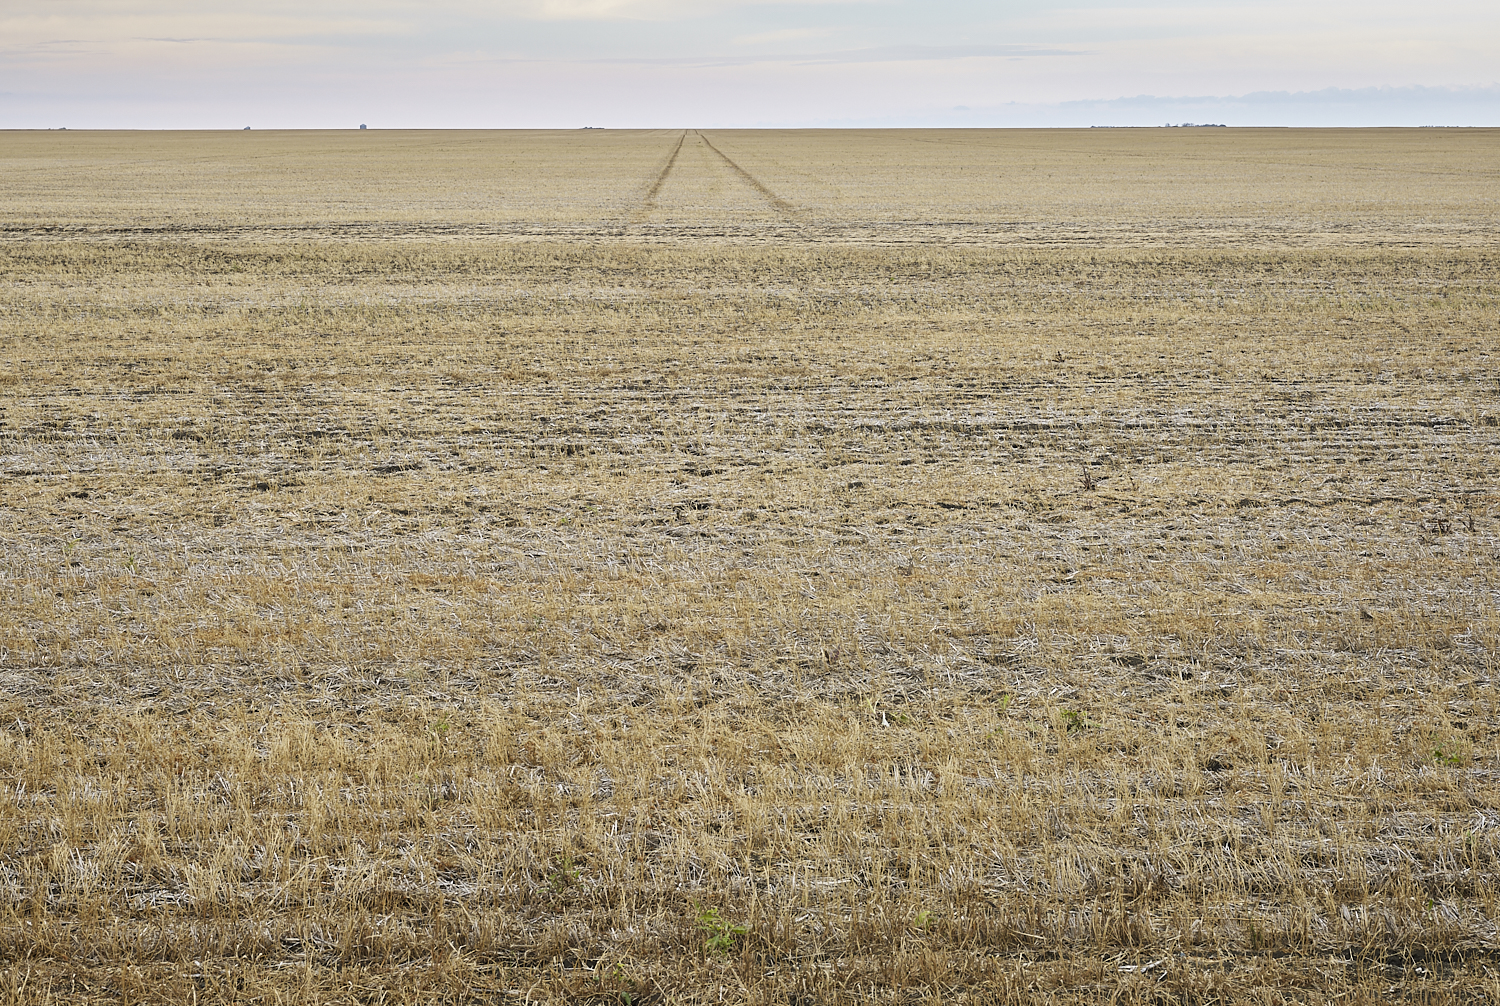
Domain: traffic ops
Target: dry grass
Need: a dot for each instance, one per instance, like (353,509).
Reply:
(736,602)
(1205,188)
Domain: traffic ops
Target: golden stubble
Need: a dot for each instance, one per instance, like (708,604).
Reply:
(680,615)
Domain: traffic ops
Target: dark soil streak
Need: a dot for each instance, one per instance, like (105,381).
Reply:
(661,179)
(750,180)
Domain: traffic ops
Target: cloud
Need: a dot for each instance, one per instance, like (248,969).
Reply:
(1415,105)
(176,22)
(724,62)
(877,54)
(1326,96)
(783,35)
(53,49)
(633,10)
(594,10)
(1382,95)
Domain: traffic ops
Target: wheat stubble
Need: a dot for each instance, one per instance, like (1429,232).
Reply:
(465,602)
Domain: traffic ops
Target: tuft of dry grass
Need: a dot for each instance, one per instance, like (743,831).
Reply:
(743,604)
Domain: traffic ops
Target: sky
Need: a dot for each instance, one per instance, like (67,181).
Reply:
(192,64)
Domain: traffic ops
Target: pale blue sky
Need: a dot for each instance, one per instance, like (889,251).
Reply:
(719,63)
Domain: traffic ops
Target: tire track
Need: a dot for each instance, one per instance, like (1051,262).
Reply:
(750,180)
(649,203)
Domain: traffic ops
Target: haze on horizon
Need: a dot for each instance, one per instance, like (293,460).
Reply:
(725,63)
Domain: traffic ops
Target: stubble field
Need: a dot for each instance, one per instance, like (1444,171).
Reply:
(705,567)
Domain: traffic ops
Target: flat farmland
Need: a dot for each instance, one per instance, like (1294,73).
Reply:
(781,567)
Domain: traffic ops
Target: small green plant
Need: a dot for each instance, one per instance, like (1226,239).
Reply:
(719,935)
(439,731)
(1448,751)
(923,919)
(1073,721)
(618,977)
(565,873)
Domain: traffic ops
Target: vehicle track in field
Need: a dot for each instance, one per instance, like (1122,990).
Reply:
(649,202)
(647,205)
(749,179)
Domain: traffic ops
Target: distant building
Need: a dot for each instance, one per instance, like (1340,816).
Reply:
(361,125)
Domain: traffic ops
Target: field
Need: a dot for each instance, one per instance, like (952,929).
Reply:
(696,567)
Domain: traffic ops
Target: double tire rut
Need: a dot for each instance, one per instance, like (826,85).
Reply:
(749,179)
(649,201)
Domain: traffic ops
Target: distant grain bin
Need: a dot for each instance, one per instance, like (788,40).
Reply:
(362,125)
